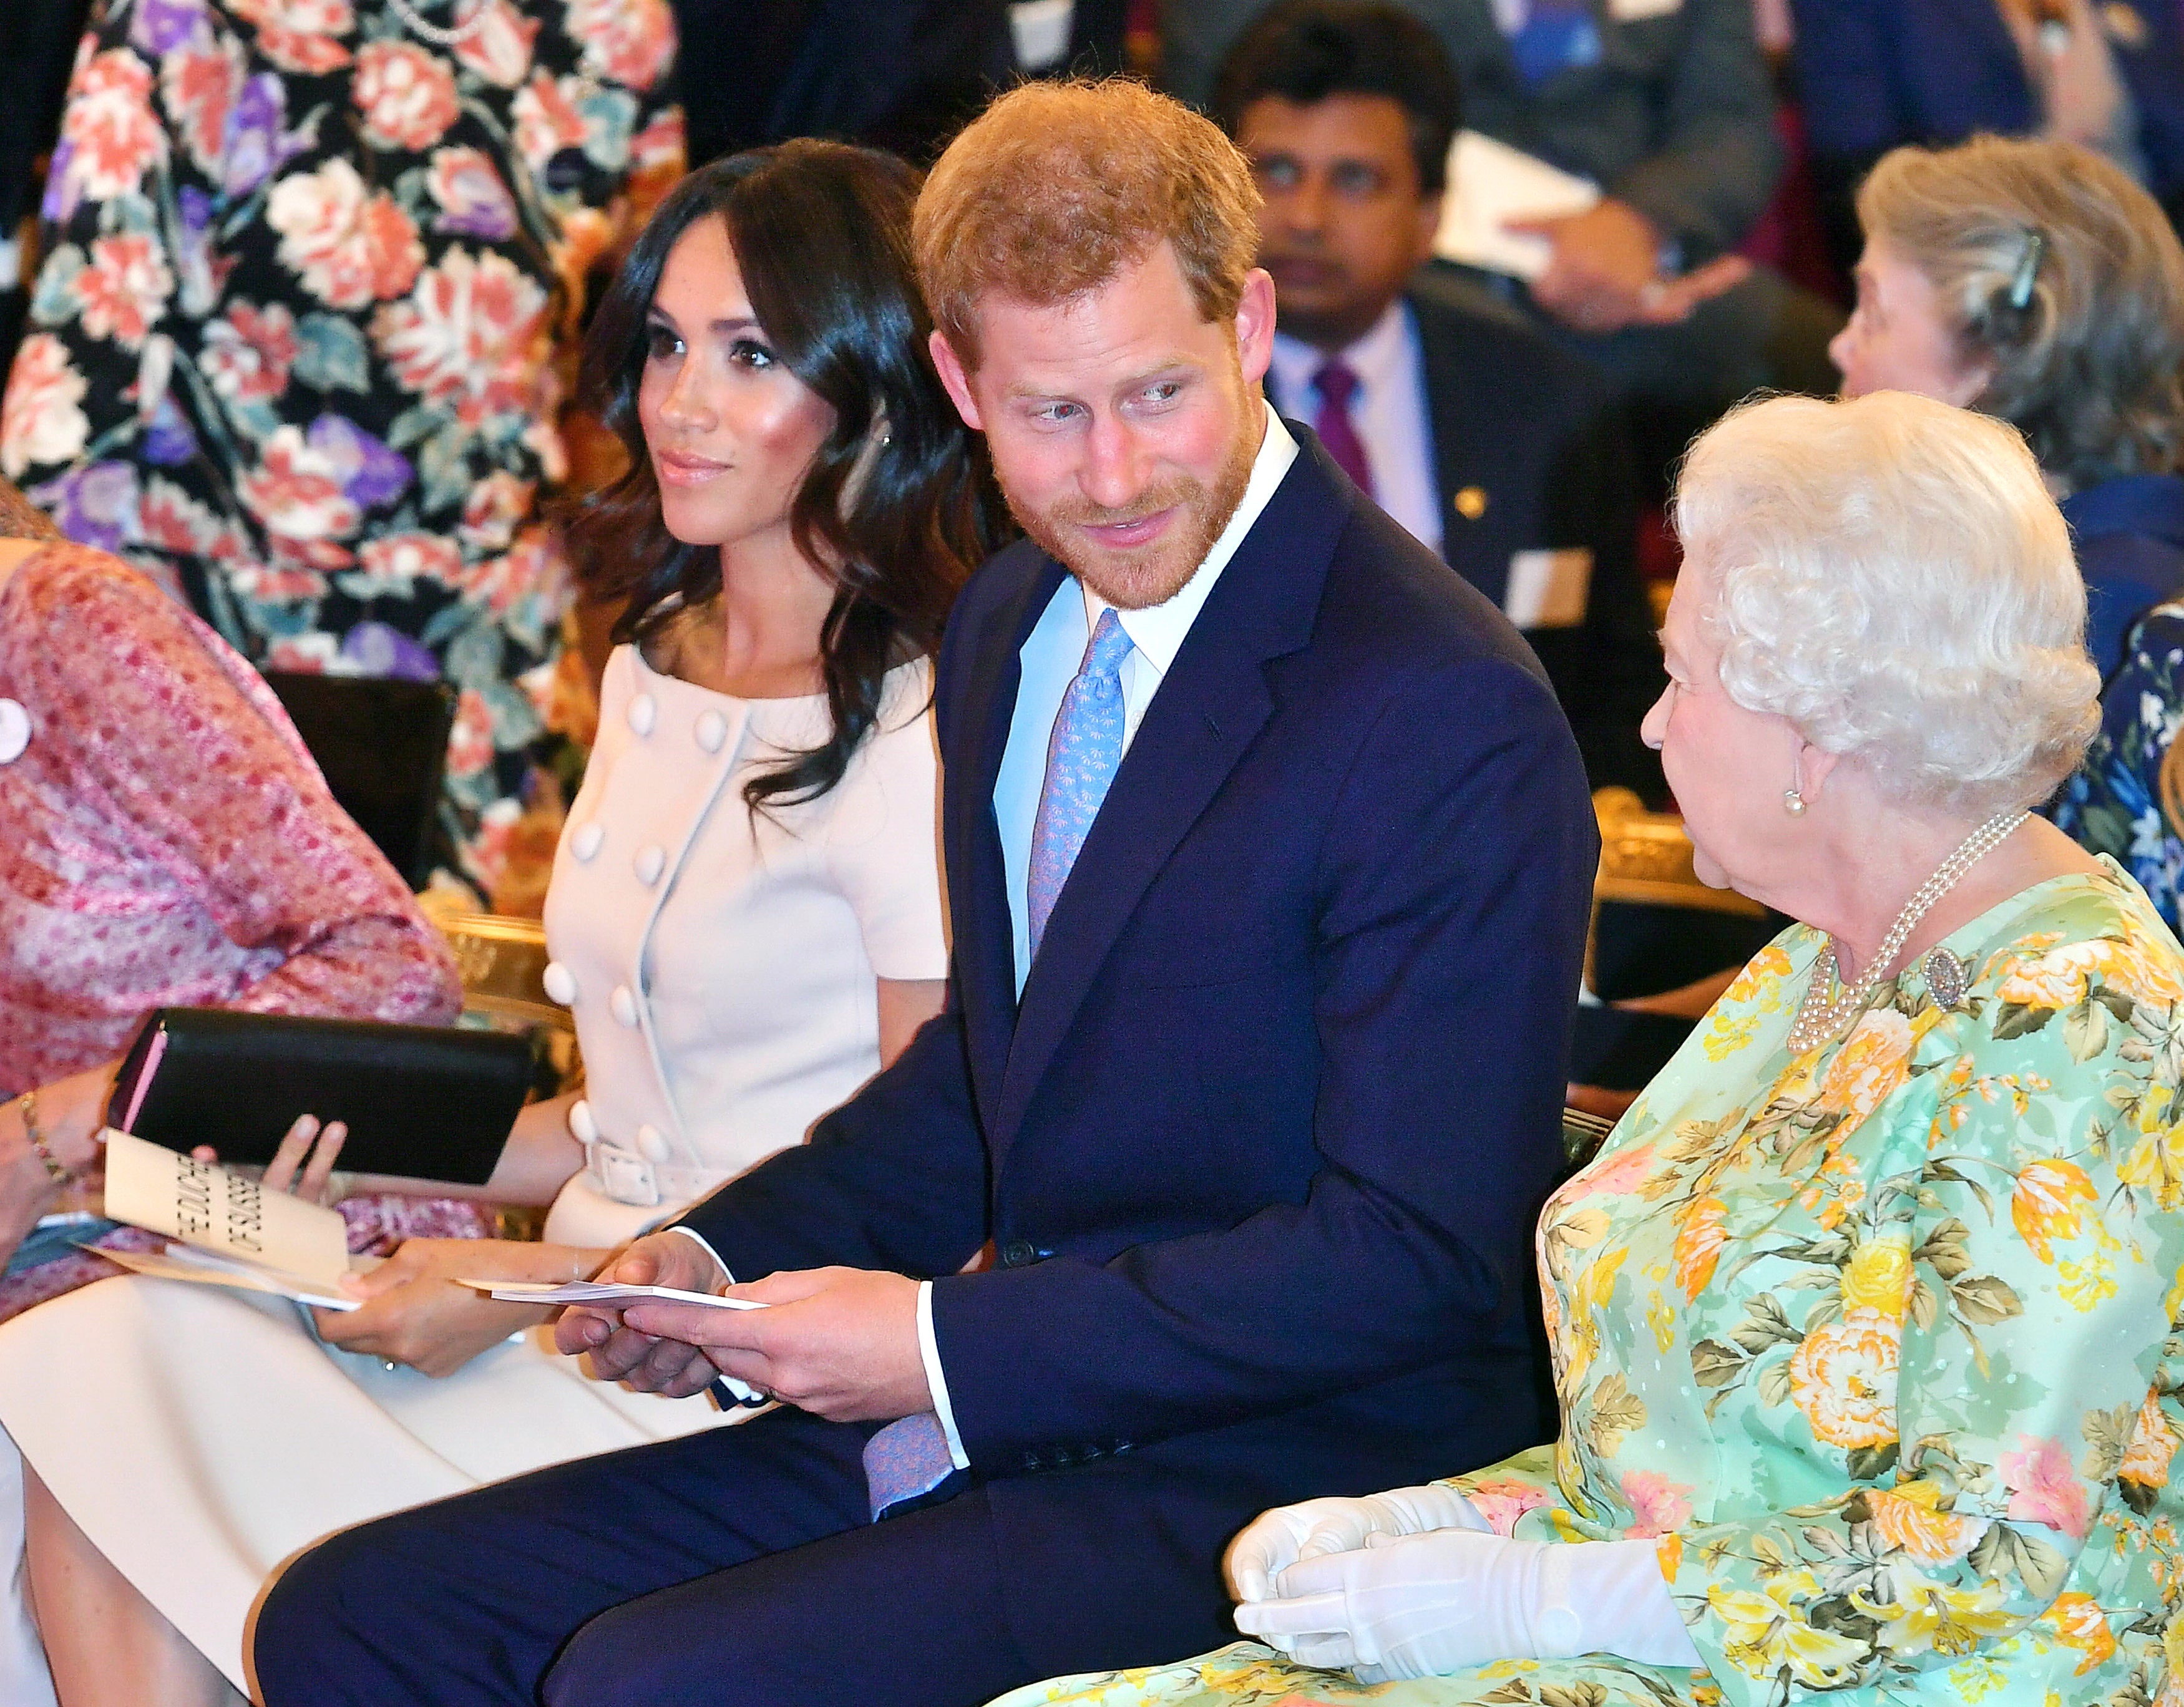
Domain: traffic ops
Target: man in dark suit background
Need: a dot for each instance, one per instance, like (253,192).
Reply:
(1487,442)
(1667,105)
(1269,857)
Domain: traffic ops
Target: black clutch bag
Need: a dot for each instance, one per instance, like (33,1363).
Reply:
(428,1102)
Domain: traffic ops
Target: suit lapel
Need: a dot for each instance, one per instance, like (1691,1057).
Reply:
(1459,406)
(985,930)
(1208,711)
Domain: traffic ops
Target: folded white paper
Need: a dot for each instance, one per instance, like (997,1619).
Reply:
(228,1214)
(1490,182)
(601,1292)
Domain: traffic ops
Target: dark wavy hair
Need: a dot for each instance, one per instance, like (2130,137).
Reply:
(821,232)
(1304,51)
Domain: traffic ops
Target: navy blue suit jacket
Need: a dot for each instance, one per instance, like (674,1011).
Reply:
(1261,1147)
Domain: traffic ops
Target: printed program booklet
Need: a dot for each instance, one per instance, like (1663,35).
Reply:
(230,1230)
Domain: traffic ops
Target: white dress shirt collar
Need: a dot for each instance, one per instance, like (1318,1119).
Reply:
(1389,412)
(1157,632)
(1382,358)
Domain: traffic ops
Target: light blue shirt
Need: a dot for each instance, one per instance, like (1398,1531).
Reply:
(1050,656)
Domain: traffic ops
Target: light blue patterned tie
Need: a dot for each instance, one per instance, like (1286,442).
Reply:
(1081,759)
(909,1459)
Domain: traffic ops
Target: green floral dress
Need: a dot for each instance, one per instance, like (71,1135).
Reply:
(1880,1343)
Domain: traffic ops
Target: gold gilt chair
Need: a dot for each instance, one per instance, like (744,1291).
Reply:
(502,962)
(1661,946)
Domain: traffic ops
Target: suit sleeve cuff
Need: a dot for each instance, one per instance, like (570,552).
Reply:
(699,1240)
(935,1381)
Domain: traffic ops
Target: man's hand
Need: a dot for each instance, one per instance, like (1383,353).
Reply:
(840,1342)
(414,1312)
(648,1362)
(1605,274)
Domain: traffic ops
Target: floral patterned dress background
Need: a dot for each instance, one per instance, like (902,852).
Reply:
(290,348)
(1878,1342)
(2112,802)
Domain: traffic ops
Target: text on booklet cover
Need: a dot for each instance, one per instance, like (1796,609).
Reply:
(217,1209)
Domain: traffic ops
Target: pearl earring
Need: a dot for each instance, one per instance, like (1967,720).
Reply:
(1793,803)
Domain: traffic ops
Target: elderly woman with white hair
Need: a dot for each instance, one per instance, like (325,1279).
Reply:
(1862,1315)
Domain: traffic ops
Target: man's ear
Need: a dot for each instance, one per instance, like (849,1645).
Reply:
(1968,384)
(955,381)
(1254,325)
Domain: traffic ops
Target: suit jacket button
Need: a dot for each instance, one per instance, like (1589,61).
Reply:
(1017,1254)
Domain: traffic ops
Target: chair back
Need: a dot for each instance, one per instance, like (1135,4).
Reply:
(1583,1134)
(382,744)
(503,963)
(1655,926)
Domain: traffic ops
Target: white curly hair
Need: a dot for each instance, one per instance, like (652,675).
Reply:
(1891,575)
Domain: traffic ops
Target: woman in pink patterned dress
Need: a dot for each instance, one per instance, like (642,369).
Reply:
(164,840)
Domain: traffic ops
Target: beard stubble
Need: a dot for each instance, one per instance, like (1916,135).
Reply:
(1153,575)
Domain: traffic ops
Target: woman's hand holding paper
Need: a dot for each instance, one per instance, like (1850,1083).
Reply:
(417,1312)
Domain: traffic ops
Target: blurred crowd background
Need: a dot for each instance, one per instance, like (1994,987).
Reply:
(290,290)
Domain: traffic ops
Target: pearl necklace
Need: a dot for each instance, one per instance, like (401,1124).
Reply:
(434,32)
(1819,1018)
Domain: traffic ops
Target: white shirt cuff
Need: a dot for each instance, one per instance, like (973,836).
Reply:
(936,1382)
(728,1274)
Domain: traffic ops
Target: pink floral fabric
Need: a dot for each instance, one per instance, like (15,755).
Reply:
(169,841)
(302,273)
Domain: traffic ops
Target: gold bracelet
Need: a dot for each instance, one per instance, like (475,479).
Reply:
(29,1104)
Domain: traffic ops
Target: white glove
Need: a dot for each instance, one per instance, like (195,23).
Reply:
(1275,1540)
(1426,1605)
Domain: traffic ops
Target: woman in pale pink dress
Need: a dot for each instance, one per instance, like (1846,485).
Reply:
(164,840)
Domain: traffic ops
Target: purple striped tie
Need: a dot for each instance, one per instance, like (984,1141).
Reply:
(1336,385)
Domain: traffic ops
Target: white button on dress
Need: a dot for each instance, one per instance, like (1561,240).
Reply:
(584,1125)
(759,973)
(560,983)
(585,844)
(15,730)
(643,712)
(652,1145)
(715,949)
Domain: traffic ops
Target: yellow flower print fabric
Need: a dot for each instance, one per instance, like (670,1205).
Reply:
(1879,1342)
